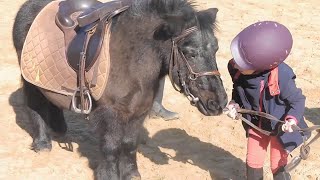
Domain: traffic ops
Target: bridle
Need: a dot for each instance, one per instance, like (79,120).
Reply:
(175,60)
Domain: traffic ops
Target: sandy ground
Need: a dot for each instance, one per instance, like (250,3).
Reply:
(194,147)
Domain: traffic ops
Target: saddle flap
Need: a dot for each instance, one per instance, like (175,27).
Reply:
(93,48)
(93,15)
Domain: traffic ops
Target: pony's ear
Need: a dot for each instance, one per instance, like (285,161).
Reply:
(176,15)
(207,16)
(171,27)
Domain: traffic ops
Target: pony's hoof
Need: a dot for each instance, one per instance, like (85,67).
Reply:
(136,178)
(107,171)
(133,176)
(41,146)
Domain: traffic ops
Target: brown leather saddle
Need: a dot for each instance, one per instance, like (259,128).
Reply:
(93,17)
(83,23)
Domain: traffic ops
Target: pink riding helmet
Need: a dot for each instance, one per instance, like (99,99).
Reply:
(261,46)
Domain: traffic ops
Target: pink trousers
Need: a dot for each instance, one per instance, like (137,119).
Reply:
(257,151)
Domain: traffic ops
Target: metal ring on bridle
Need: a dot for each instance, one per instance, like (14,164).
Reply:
(193,77)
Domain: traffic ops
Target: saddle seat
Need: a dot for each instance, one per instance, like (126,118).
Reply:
(79,18)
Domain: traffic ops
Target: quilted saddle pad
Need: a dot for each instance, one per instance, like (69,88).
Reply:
(44,63)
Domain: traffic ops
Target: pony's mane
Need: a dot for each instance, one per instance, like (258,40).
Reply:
(165,8)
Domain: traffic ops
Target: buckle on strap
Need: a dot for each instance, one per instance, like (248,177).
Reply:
(189,95)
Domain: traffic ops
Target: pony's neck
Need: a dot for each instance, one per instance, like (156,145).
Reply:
(136,33)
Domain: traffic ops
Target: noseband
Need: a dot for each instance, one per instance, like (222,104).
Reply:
(175,60)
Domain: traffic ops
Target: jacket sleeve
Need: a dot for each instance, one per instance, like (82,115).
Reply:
(294,100)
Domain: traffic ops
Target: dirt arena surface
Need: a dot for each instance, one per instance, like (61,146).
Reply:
(194,147)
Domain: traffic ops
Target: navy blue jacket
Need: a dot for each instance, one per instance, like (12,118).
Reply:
(253,92)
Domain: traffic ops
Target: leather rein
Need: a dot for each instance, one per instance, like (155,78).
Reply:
(175,60)
(305,147)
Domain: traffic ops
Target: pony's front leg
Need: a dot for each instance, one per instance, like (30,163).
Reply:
(128,160)
(37,108)
(111,134)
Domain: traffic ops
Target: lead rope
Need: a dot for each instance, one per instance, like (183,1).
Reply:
(304,149)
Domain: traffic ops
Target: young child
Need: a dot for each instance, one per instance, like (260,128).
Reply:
(262,82)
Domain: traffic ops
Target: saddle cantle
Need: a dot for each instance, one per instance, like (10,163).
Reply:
(94,16)
(66,50)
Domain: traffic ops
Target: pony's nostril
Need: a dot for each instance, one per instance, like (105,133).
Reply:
(213,105)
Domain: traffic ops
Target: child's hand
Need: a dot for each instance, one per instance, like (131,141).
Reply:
(287,127)
(231,110)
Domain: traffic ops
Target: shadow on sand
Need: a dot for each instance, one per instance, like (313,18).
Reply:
(79,130)
(312,115)
(219,163)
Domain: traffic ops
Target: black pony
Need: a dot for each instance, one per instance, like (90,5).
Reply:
(149,40)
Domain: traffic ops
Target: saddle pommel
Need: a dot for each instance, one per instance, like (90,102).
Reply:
(99,12)
(67,8)
(91,11)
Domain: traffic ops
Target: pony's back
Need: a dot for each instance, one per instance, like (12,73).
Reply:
(23,20)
